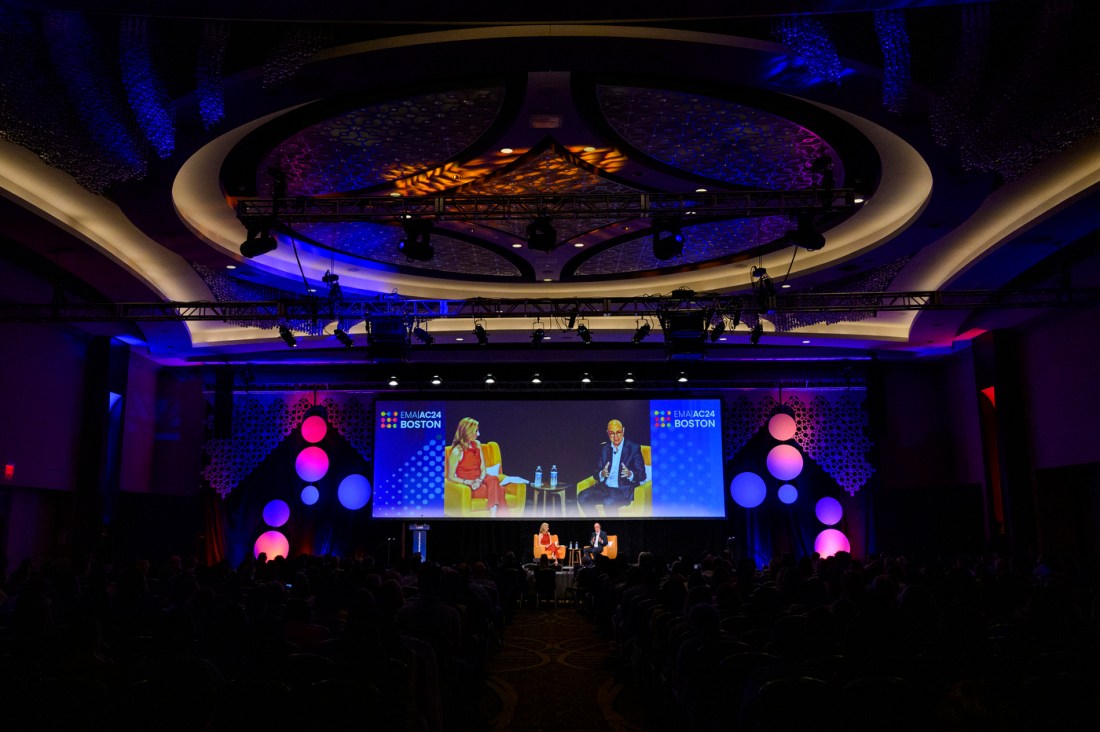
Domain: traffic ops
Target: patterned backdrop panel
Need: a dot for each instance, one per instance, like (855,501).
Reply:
(262,421)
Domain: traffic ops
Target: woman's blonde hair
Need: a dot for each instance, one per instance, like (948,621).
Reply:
(465,433)
(545,527)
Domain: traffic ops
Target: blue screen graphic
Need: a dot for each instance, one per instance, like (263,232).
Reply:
(680,440)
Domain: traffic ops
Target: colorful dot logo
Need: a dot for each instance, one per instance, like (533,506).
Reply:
(662,419)
(388,420)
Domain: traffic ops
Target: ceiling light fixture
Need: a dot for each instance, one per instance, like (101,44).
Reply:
(287,336)
(541,235)
(806,234)
(641,333)
(535,379)
(629,378)
(717,329)
(489,379)
(537,335)
(423,336)
(586,379)
(757,331)
(343,337)
(259,241)
(668,241)
(584,333)
(682,378)
(393,381)
(436,381)
(481,333)
(416,244)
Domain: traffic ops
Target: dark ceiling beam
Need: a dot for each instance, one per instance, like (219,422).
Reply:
(481,308)
(254,212)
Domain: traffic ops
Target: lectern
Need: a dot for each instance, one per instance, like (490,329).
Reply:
(420,539)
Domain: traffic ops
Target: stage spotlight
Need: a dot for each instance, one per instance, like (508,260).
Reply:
(489,379)
(641,333)
(482,334)
(806,235)
(541,235)
(258,242)
(668,241)
(584,333)
(423,336)
(629,378)
(344,338)
(717,329)
(682,378)
(757,331)
(393,381)
(586,379)
(572,321)
(287,336)
(416,245)
(736,319)
(535,379)
(436,381)
(537,335)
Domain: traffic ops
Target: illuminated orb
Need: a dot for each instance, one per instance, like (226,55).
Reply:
(781,427)
(271,543)
(310,494)
(311,464)
(276,513)
(829,511)
(354,492)
(788,493)
(831,541)
(314,429)
(785,462)
(748,490)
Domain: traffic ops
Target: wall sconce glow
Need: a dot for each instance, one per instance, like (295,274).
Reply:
(276,513)
(788,493)
(271,543)
(831,541)
(314,428)
(310,495)
(785,462)
(829,511)
(311,464)
(748,490)
(354,492)
(782,427)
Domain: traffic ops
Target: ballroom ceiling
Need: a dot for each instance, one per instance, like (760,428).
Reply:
(937,147)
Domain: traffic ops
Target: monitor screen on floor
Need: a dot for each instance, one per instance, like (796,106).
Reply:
(638,458)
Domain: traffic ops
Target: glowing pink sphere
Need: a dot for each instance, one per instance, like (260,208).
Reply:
(276,513)
(314,429)
(271,543)
(785,462)
(831,541)
(781,427)
(310,494)
(311,464)
(748,490)
(787,493)
(829,511)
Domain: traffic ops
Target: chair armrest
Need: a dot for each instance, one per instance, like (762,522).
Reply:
(586,483)
(456,498)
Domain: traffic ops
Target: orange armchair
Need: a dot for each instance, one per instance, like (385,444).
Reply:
(539,551)
(457,498)
(643,492)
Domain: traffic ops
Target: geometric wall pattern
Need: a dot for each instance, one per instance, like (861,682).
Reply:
(830,428)
(261,423)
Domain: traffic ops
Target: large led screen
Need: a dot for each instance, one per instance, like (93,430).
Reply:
(668,463)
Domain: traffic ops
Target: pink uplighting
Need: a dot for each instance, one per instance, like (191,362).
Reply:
(785,462)
(271,543)
(782,427)
(276,513)
(831,541)
(314,429)
(829,511)
(311,464)
(748,490)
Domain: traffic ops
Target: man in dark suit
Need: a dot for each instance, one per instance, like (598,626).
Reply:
(597,540)
(619,470)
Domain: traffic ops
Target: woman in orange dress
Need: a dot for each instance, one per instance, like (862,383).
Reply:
(549,546)
(465,466)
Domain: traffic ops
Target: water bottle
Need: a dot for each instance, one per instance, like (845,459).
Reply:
(553,476)
(538,475)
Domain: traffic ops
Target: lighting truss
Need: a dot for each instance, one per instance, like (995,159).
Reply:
(736,204)
(352,310)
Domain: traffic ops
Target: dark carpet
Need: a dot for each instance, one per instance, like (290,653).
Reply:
(556,672)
